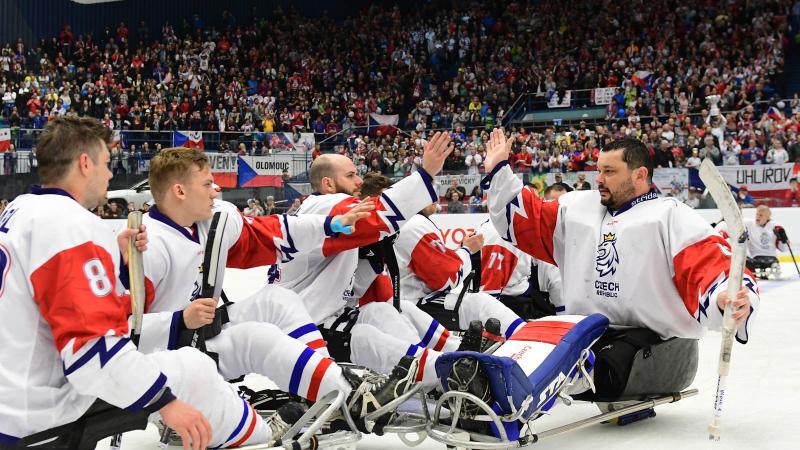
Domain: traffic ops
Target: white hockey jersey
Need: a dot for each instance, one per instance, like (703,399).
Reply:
(656,263)
(762,240)
(65,326)
(428,268)
(505,269)
(175,253)
(324,278)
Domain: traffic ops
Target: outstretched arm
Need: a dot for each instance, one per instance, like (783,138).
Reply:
(517,213)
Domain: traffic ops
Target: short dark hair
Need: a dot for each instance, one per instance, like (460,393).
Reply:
(553,187)
(374,184)
(64,139)
(634,153)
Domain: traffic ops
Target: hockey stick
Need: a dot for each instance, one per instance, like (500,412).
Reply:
(722,195)
(209,270)
(789,246)
(136,279)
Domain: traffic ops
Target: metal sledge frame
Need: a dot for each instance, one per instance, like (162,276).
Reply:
(313,420)
(452,436)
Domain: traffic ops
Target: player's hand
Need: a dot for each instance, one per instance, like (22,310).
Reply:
(356,213)
(437,149)
(200,312)
(741,305)
(780,234)
(497,149)
(141,240)
(473,243)
(189,423)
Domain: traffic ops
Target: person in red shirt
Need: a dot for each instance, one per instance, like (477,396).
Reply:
(792,196)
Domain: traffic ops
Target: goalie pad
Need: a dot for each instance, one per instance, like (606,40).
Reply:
(522,378)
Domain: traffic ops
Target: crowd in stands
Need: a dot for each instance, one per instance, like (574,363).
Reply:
(438,65)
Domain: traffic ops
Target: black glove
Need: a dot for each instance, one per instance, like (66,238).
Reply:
(780,234)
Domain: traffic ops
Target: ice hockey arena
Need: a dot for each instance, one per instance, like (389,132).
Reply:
(383,224)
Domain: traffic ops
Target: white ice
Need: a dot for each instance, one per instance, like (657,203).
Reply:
(761,409)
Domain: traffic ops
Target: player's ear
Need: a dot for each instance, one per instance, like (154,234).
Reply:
(178,190)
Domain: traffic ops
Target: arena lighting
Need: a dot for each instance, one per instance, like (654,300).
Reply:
(90,2)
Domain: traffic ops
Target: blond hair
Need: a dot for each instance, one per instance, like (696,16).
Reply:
(173,165)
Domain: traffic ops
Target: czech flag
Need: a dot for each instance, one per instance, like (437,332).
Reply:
(189,139)
(5,139)
(642,78)
(385,123)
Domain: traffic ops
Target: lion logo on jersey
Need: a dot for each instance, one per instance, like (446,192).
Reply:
(607,256)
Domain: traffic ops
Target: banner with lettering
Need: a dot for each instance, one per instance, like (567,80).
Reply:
(224,169)
(261,171)
(764,177)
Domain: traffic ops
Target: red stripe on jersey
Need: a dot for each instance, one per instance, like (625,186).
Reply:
(76,294)
(442,340)
(316,344)
(549,332)
(368,230)
(497,266)
(534,234)
(250,429)
(434,263)
(255,246)
(316,378)
(698,266)
(149,294)
(380,290)
(421,370)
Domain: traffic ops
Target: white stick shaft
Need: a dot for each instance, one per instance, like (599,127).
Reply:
(136,274)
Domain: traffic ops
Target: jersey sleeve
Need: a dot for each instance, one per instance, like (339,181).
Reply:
(267,240)
(429,259)
(497,267)
(271,239)
(392,209)
(519,215)
(76,296)
(701,261)
(156,267)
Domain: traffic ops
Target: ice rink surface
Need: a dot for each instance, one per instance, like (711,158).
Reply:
(761,410)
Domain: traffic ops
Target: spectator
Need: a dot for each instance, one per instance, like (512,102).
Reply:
(473,160)
(693,162)
(455,187)
(792,196)
(693,199)
(455,206)
(743,198)
(476,202)
(582,184)
(294,207)
(559,182)
(269,206)
(253,208)
(777,154)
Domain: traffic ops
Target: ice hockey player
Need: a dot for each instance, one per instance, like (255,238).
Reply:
(327,280)
(433,276)
(266,333)
(766,237)
(66,333)
(531,288)
(658,269)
